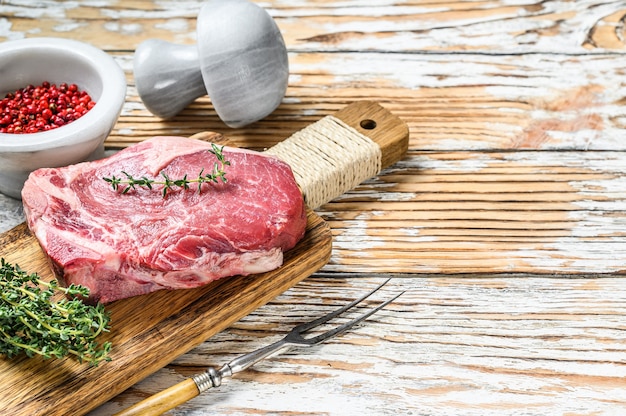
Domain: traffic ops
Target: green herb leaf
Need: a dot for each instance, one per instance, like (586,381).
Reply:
(130,183)
(32,322)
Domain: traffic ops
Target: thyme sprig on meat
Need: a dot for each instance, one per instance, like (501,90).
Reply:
(32,322)
(128,182)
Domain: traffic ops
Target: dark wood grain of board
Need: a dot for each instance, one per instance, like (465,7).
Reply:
(147,331)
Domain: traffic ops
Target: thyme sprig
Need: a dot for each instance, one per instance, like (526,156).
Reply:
(32,322)
(128,182)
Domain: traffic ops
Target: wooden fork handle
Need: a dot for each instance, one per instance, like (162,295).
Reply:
(163,401)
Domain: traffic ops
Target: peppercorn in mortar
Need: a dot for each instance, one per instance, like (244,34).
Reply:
(34,109)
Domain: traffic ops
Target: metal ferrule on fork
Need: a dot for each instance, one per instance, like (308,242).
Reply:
(208,379)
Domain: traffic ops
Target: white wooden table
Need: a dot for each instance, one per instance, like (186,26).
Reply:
(505,223)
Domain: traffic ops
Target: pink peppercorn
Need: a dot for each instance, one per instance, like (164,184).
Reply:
(47,106)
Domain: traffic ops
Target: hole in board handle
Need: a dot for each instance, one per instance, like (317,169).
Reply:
(368,124)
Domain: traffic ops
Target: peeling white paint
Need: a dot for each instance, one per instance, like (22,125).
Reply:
(174,25)
(355,237)
(130,108)
(471,164)
(396,196)
(11,213)
(310,112)
(616,186)
(415,237)
(176,10)
(99,3)
(126,132)
(5,30)
(126,29)
(69,27)
(291,100)
(39,10)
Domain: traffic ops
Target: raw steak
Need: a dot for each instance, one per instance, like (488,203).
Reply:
(121,245)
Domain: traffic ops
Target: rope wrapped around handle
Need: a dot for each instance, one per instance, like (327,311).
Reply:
(328,158)
(340,151)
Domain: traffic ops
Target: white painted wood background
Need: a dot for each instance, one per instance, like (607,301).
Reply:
(505,223)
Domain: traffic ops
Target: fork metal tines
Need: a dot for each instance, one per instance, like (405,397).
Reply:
(213,378)
(189,388)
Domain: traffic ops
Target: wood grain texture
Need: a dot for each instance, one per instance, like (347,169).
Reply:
(505,222)
(514,27)
(501,346)
(163,401)
(465,75)
(484,212)
(144,338)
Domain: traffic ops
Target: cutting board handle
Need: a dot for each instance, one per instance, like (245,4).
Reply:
(338,152)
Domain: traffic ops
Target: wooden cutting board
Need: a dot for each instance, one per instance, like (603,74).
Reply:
(150,331)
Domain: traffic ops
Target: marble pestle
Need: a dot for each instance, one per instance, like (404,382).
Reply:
(240,61)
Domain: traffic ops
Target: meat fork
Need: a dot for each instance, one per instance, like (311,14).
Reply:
(199,383)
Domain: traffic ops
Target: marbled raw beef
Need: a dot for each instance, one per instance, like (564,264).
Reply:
(121,245)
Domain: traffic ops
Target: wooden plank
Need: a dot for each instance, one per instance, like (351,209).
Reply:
(478,346)
(476,102)
(477,212)
(498,93)
(440,26)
